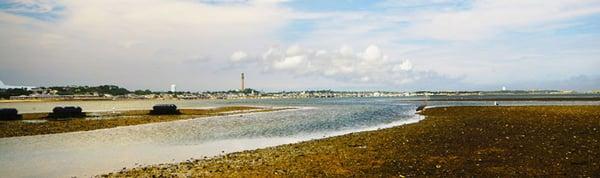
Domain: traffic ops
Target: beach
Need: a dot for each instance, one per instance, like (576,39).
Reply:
(451,141)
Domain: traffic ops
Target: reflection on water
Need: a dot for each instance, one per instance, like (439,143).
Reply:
(106,150)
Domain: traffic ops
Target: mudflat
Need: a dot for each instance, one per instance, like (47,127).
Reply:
(451,141)
(31,124)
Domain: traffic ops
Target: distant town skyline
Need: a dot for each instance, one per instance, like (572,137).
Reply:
(401,45)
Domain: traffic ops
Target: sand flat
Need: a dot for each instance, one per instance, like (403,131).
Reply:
(451,141)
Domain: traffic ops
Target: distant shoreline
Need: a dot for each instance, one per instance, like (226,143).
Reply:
(590,97)
(464,141)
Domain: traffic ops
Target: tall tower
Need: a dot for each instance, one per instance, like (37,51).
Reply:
(242,89)
(173,88)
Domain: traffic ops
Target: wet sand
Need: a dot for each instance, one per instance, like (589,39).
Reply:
(454,141)
(103,120)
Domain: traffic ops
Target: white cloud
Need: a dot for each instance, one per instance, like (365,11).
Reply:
(346,50)
(372,53)
(289,62)
(293,50)
(471,40)
(238,56)
(490,17)
(369,66)
(404,66)
(444,20)
(111,40)
(87,39)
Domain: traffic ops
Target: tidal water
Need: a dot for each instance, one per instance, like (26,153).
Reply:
(95,152)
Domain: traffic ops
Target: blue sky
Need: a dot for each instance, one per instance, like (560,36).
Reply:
(297,45)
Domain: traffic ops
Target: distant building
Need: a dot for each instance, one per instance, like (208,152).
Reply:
(503,88)
(173,89)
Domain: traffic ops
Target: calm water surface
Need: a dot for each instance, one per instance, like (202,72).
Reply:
(107,150)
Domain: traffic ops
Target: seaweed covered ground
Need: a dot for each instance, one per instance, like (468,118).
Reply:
(104,120)
(480,141)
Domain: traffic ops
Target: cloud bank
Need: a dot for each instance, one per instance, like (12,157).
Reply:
(205,44)
(368,66)
(126,41)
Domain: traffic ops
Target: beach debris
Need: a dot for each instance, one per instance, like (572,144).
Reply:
(9,114)
(421,107)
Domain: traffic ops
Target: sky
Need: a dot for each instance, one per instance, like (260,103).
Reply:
(392,45)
